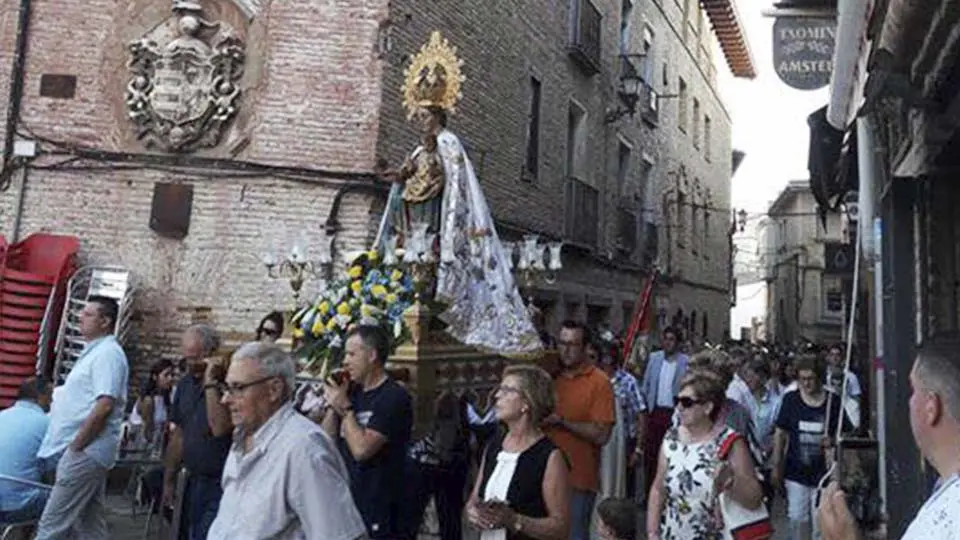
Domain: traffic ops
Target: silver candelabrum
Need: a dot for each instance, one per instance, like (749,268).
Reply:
(296,266)
(417,257)
(531,260)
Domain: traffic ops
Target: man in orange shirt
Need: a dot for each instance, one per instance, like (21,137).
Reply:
(581,424)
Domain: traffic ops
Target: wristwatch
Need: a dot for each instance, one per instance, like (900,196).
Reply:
(517,524)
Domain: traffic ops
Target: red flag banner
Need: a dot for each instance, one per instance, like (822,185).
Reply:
(640,323)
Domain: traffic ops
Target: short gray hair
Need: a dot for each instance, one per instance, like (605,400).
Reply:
(208,336)
(938,368)
(272,361)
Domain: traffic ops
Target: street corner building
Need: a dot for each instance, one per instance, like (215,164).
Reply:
(182,141)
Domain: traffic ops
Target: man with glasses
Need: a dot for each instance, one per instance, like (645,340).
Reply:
(582,423)
(283,477)
(200,434)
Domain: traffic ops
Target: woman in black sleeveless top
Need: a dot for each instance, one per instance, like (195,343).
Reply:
(522,491)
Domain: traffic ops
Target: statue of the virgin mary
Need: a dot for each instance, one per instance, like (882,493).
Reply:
(438,189)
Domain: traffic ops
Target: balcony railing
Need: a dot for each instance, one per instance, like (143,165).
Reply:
(584,41)
(582,213)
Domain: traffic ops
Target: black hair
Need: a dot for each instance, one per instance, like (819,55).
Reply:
(276,318)
(374,337)
(811,362)
(108,308)
(761,367)
(620,515)
(675,331)
(150,384)
(571,324)
(32,388)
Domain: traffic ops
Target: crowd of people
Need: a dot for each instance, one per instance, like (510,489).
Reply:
(571,450)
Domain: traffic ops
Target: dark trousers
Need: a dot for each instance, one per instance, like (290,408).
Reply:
(631,471)
(658,424)
(447,485)
(202,499)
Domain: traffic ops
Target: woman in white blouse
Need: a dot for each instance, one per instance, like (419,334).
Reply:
(522,491)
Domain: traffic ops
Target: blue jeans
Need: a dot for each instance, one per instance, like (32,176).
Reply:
(31,511)
(581,511)
(203,501)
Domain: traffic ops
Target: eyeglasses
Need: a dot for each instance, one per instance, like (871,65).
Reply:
(239,388)
(273,332)
(685,401)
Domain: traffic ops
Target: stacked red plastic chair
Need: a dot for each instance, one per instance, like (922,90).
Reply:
(33,278)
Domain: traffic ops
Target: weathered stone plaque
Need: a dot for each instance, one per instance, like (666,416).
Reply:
(184,84)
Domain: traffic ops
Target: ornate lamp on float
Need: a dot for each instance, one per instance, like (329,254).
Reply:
(537,260)
(297,268)
(419,261)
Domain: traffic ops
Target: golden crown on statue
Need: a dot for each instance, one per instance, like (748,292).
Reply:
(433,78)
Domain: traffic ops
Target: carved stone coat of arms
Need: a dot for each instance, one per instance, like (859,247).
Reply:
(184,85)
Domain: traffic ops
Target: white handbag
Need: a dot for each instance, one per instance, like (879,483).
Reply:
(741,523)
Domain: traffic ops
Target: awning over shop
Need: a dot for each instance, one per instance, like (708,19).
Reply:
(733,40)
(832,161)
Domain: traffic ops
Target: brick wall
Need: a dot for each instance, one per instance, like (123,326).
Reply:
(701,277)
(320,93)
(309,101)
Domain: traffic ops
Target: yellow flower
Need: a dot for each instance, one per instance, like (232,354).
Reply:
(343,309)
(367,310)
(332,324)
(324,307)
(391,298)
(372,255)
(354,272)
(396,275)
(378,291)
(298,333)
(317,326)
(356,286)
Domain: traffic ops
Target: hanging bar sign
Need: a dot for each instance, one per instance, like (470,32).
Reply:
(803,51)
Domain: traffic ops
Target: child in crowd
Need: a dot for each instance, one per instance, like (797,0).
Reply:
(617,519)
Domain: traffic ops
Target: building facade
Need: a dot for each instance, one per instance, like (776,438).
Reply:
(806,284)
(317,108)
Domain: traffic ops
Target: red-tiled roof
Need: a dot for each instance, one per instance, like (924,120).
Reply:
(733,39)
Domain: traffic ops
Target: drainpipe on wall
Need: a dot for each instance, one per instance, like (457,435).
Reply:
(849,61)
(16,94)
(869,164)
(18,213)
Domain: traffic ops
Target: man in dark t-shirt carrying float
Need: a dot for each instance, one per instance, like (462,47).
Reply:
(370,416)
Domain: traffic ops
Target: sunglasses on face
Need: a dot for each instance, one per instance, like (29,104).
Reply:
(685,401)
(269,332)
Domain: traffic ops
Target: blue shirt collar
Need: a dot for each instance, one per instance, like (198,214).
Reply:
(27,404)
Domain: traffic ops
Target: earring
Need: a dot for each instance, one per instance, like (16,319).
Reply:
(524,410)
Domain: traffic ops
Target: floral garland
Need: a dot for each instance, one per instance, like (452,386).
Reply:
(370,293)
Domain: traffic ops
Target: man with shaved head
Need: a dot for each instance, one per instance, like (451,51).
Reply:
(935,422)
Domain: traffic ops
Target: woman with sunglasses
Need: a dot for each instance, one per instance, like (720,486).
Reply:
(690,474)
(271,327)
